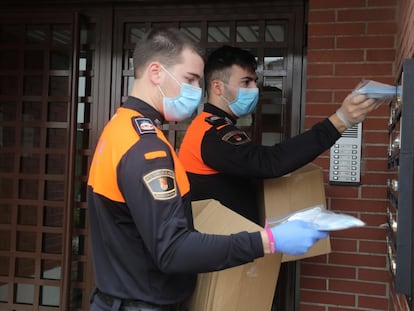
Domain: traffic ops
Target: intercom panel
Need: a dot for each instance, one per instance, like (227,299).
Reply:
(345,158)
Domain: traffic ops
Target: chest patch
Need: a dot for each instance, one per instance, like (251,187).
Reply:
(236,137)
(161,183)
(143,125)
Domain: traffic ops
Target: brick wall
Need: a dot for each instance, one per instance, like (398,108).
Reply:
(350,40)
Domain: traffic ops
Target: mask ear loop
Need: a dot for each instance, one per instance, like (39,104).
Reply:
(170,74)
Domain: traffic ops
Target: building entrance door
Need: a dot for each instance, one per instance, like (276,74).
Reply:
(63,72)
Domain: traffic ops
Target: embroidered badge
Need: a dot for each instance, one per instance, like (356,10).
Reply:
(217,121)
(236,137)
(161,183)
(144,125)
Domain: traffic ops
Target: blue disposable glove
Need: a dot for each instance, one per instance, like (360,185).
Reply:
(296,237)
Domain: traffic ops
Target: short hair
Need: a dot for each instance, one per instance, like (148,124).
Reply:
(164,45)
(220,61)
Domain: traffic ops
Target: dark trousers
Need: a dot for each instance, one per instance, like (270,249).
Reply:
(102,302)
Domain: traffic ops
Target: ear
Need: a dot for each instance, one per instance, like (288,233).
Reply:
(154,72)
(216,87)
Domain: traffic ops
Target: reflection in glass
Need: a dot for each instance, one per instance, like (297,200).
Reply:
(28,189)
(8,111)
(56,138)
(4,269)
(61,34)
(7,162)
(30,137)
(54,191)
(88,34)
(25,268)
(218,33)
(5,215)
(274,84)
(26,241)
(192,31)
(37,33)
(32,111)
(53,216)
(136,33)
(24,293)
(33,60)
(9,59)
(50,295)
(52,243)
(8,85)
(59,60)
(4,293)
(51,269)
(247,33)
(57,112)
(273,63)
(78,245)
(10,33)
(27,215)
(6,188)
(79,217)
(58,86)
(30,163)
(274,33)
(55,164)
(5,240)
(33,85)
(77,271)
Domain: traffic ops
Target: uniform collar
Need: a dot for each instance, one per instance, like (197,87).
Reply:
(145,109)
(219,112)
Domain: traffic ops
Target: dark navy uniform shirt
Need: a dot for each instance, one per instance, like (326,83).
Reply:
(223,163)
(144,245)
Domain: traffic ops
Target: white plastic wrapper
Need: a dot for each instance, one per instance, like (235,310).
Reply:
(377,90)
(320,218)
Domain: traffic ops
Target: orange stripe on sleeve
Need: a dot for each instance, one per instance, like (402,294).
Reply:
(155,154)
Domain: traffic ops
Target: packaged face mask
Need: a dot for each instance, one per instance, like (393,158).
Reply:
(320,218)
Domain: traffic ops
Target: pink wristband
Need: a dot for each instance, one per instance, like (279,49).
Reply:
(271,240)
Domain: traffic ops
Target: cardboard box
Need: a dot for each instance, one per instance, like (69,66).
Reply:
(300,189)
(242,288)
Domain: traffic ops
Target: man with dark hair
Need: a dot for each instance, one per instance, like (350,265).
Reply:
(222,162)
(146,253)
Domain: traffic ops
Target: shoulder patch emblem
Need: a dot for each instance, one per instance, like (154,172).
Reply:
(217,121)
(161,183)
(236,137)
(143,125)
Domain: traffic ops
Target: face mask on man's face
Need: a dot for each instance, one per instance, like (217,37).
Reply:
(245,102)
(182,106)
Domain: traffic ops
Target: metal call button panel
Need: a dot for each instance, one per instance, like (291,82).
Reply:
(345,157)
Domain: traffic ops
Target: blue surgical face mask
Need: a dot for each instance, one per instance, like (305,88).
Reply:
(182,106)
(245,102)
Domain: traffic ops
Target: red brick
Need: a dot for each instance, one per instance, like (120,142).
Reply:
(328,29)
(366,302)
(368,14)
(386,3)
(369,151)
(328,298)
(374,192)
(376,178)
(365,233)
(358,260)
(356,205)
(308,307)
(336,56)
(319,43)
(382,28)
(321,16)
(318,97)
(380,55)
(343,245)
(341,191)
(328,271)
(353,42)
(374,275)
(319,70)
(321,4)
(357,287)
(375,137)
(339,83)
(362,69)
(373,220)
(313,283)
